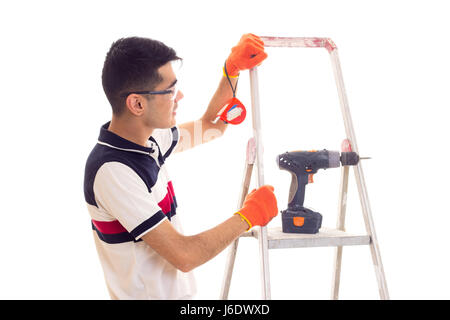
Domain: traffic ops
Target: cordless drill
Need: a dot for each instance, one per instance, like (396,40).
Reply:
(303,165)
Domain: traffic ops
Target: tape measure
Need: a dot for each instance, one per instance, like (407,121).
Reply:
(233,111)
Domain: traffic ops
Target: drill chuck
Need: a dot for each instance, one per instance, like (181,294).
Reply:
(349,158)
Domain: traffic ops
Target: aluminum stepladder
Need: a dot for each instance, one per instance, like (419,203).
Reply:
(271,238)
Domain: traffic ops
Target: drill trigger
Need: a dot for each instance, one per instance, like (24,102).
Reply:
(310,178)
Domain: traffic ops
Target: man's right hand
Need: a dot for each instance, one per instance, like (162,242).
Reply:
(260,206)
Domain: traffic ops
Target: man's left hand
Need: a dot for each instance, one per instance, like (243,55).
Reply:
(248,53)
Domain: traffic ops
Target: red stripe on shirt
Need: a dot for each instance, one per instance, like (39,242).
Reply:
(109,227)
(166,203)
(170,188)
(113,227)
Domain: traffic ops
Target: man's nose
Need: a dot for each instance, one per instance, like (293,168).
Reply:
(179,96)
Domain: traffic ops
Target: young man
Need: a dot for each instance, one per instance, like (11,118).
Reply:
(129,195)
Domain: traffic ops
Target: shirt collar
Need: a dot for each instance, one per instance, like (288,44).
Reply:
(111,139)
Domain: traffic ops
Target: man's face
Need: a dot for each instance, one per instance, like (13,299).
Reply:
(161,108)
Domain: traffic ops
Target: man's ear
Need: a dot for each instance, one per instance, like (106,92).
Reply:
(134,104)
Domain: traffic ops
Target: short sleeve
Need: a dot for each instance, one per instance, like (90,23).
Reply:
(167,140)
(123,194)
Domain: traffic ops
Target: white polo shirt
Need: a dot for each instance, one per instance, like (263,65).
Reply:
(128,193)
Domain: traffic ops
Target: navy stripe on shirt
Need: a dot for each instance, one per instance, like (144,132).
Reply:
(147,224)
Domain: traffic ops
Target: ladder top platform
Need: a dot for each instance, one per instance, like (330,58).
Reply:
(300,42)
(326,237)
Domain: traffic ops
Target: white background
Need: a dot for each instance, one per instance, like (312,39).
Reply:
(394,57)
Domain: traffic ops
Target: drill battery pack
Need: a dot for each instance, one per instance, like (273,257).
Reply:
(301,220)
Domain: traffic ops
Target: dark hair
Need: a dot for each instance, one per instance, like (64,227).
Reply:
(131,64)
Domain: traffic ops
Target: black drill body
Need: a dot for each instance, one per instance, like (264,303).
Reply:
(302,165)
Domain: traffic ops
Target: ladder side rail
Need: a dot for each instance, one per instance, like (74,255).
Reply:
(340,225)
(231,257)
(262,233)
(229,267)
(359,176)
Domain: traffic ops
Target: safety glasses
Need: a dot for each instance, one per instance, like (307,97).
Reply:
(172,92)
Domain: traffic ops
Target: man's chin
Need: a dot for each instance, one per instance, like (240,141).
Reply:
(171,124)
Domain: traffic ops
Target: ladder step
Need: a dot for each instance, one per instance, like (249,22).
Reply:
(326,237)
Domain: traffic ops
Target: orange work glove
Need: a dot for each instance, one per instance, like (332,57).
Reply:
(248,53)
(260,206)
